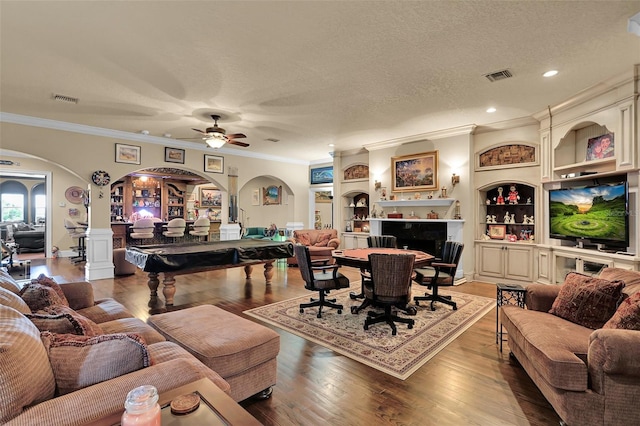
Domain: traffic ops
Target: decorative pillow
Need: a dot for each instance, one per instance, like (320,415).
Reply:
(50,282)
(12,300)
(323,240)
(64,320)
(8,282)
(628,314)
(303,238)
(26,377)
(39,296)
(587,301)
(631,278)
(23,227)
(81,361)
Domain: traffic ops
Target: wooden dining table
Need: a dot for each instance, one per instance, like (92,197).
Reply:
(359,258)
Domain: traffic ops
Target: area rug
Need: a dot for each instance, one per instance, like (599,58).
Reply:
(400,355)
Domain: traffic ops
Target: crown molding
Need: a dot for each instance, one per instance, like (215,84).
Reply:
(438,134)
(24,120)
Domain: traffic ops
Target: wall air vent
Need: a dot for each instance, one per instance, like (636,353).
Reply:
(498,75)
(64,98)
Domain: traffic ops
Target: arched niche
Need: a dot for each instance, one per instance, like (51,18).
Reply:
(265,200)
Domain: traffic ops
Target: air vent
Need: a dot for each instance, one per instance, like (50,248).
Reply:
(498,75)
(272,140)
(63,98)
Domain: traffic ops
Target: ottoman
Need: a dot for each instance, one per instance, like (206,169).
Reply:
(241,351)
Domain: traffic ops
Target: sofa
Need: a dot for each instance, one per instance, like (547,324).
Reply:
(28,237)
(579,342)
(321,243)
(256,233)
(42,379)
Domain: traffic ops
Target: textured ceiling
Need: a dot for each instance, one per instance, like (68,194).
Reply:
(306,73)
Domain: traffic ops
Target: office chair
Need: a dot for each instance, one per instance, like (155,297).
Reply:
(441,273)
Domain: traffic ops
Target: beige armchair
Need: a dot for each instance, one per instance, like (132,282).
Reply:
(321,243)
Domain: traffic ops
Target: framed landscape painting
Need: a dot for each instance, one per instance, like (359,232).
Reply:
(174,155)
(417,172)
(129,154)
(213,164)
(210,197)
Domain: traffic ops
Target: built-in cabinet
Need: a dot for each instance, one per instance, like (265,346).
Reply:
(357,213)
(504,262)
(162,198)
(508,212)
(353,240)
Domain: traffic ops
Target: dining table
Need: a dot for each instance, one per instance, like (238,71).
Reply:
(359,258)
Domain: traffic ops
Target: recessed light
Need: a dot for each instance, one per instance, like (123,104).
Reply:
(167,135)
(331,144)
(144,132)
(550,73)
(491,110)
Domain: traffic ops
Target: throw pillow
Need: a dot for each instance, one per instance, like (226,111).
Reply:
(303,238)
(50,282)
(81,361)
(8,282)
(39,296)
(587,301)
(627,315)
(12,300)
(26,377)
(323,240)
(64,320)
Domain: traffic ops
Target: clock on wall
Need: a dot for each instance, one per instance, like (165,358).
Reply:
(101,178)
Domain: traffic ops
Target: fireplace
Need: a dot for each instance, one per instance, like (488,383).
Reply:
(423,236)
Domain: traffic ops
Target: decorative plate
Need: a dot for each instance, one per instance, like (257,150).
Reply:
(101,178)
(74,194)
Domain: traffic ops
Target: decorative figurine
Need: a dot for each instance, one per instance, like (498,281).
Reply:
(488,201)
(417,196)
(430,196)
(443,192)
(507,218)
(513,196)
(489,219)
(500,198)
(529,200)
(456,212)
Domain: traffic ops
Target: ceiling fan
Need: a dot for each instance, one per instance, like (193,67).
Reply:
(216,136)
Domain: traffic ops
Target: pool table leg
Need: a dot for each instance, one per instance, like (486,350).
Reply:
(247,271)
(153,284)
(268,271)
(169,287)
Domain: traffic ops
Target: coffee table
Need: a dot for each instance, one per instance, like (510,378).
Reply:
(216,408)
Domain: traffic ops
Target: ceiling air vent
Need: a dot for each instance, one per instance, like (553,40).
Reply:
(63,98)
(272,140)
(498,75)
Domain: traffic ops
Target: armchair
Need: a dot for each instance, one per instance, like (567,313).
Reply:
(321,242)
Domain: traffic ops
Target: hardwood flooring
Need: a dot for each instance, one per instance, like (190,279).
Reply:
(470,382)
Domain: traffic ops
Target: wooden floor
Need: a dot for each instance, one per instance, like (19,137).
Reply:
(468,383)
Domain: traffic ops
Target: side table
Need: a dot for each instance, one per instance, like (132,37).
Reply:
(507,294)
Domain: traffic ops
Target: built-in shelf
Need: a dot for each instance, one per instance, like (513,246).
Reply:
(434,202)
(585,164)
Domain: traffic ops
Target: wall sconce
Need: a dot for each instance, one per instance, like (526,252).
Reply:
(455,179)
(377,185)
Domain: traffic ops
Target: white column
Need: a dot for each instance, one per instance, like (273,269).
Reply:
(99,263)
(229,231)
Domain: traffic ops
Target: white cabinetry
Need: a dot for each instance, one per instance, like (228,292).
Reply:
(588,262)
(354,240)
(508,262)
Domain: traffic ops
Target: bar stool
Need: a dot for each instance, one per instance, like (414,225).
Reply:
(75,230)
(175,228)
(142,229)
(200,227)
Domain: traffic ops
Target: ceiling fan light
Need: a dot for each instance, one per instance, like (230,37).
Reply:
(215,142)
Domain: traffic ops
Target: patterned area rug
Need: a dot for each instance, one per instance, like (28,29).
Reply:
(400,355)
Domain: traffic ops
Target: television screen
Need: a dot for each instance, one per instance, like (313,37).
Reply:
(595,213)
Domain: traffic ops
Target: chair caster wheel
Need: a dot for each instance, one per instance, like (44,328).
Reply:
(366,326)
(417,303)
(410,326)
(339,311)
(301,311)
(319,315)
(355,310)
(393,333)
(455,308)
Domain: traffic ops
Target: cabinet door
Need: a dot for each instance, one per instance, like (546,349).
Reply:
(361,241)
(491,260)
(519,263)
(349,241)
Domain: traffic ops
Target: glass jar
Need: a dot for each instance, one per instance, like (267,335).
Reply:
(141,407)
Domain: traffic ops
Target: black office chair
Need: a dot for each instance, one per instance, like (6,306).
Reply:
(388,241)
(390,286)
(319,278)
(441,273)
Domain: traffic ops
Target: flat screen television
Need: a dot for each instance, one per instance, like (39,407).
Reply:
(594,214)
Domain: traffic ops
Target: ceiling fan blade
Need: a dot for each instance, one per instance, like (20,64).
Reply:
(199,131)
(237,136)
(242,144)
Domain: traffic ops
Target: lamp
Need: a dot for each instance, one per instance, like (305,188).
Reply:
(455,179)
(216,141)
(377,185)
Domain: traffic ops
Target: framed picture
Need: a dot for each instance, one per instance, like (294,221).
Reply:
(214,215)
(129,154)
(497,232)
(600,147)
(323,197)
(271,195)
(174,155)
(255,197)
(322,175)
(213,164)
(210,197)
(417,172)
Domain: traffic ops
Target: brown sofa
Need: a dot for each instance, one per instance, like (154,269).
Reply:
(30,377)
(321,243)
(590,377)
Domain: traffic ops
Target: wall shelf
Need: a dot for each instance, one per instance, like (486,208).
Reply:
(434,202)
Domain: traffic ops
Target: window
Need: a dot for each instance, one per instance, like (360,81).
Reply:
(40,204)
(12,207)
